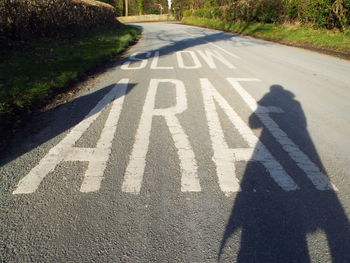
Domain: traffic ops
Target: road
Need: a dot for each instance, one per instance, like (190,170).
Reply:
(196,146)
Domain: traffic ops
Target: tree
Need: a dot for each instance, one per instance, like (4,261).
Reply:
(210,3)
(111,2)
(152,6)
(117,4)
(141,6)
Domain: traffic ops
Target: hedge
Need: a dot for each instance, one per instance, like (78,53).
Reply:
(320,13)
(21,19)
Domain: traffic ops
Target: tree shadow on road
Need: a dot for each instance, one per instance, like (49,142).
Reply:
(52,123)
(181,41)
(279,226)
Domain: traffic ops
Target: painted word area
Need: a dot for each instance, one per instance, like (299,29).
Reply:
(209,57)
(224,157)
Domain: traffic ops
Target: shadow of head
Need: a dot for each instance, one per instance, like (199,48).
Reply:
(278,90)
(275,225)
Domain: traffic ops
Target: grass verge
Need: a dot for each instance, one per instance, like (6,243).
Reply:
(329,41)
(34,71)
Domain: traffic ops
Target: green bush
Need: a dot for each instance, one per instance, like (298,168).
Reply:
(216,12)
(228,13)
(320,13)
(187,13)
(204,12)
(35,70)
(153,10)
(269,11)
(290,10)
(210,3)
(110,2)
(22,19)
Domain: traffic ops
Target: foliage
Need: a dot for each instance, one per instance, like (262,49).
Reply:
(152,7)
(325,39)
(27,18)
(117,4)
(140,6)
(36,70)
(319,13)
(153,10)
(210,3)
(187,13)
(269,11)
(214,12)
(110,2)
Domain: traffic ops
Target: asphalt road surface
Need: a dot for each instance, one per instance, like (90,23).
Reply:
(197,146)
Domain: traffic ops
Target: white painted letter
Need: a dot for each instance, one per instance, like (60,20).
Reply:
(126,65)
(65,150)
(225,158)
(197,63)
(134,172)
(311,170)
(155,60)
(209,55)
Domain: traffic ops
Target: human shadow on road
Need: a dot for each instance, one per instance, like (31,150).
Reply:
(278,226)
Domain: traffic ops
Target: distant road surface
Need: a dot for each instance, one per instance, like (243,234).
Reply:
(197,146)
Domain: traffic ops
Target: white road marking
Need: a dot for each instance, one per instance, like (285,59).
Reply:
(208,56)
(319,179)
(224,50)
(217,46)
(143,64)
(196,62)
(135,170)
(250,101)
(155,61)
(225,157)
(65,150)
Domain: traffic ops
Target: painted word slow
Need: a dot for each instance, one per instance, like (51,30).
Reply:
(186,59)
